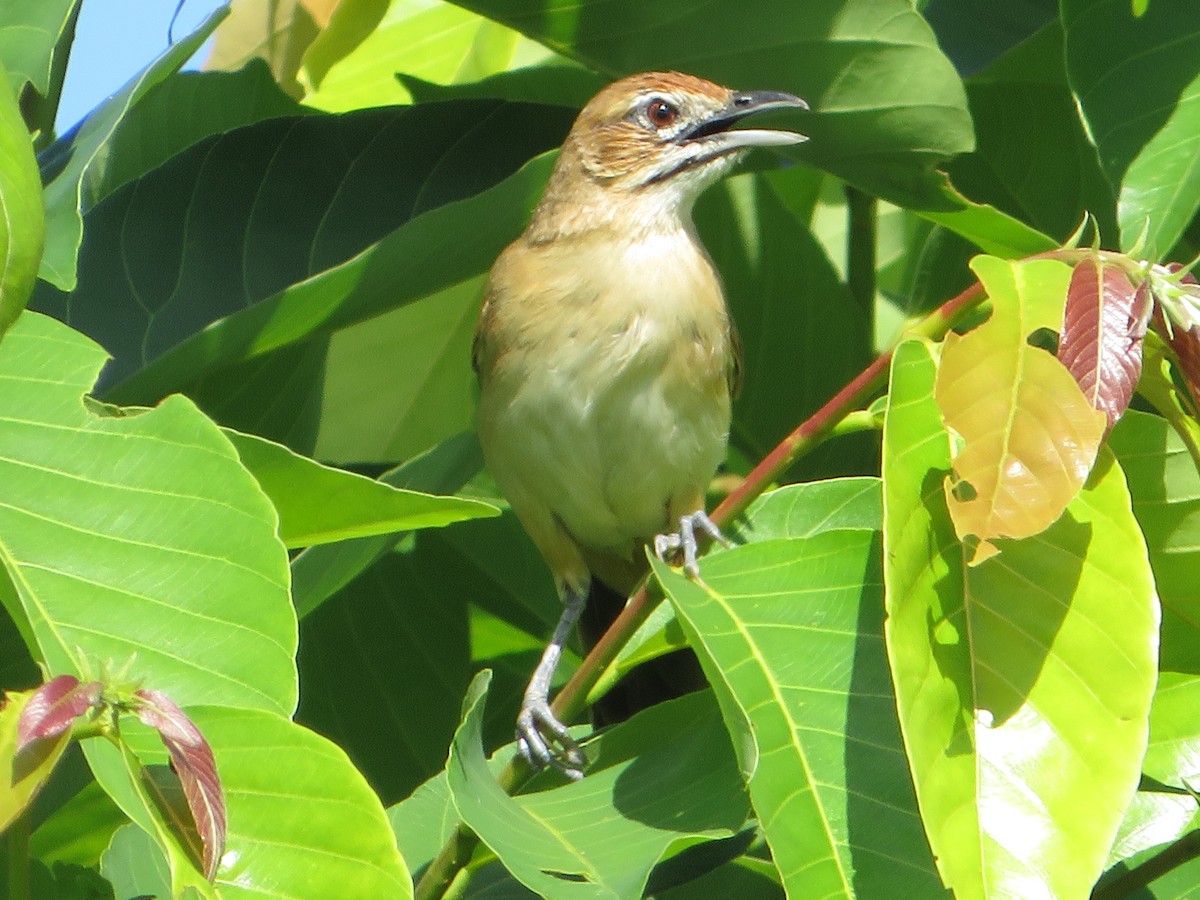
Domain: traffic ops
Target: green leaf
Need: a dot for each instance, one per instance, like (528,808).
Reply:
(137,535)
(557,84)
(213,258)
(804,510)
(795,510)
(433,41)
(1173,755)
(888,105)
(1050,177)
(135,866)
(659,782)
(320,505)
(70,160)
(991,230)
(352,22)
(1136,83)
(319,572)
(180,111)
(973,34)
(1165,488)
(788,633)
(302,821)
(1006,671)
(1154,818)
(79,830)
(29,33)
(745,878)
(393,627)
(423,822)
(138,545)
(382,405)
(22,218)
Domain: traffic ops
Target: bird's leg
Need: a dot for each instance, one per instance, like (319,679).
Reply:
(685,539)
(541,737)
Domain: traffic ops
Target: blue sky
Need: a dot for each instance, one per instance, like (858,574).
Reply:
(115,40)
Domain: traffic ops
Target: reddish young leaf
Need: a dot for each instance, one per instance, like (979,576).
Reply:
(193,761)
(54,706)
(1101,343)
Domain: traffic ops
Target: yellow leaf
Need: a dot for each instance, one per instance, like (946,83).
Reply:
(1027,436)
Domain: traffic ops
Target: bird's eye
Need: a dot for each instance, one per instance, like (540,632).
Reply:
(661,113)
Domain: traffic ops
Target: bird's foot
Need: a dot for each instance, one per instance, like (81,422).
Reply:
(685,540)
(545,741)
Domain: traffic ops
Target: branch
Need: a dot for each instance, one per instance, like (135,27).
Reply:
(1183,850)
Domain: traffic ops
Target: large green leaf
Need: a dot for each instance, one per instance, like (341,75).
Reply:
(889,106)
(320,572)
(1165,488)
(302,821)
(137,537)
(1023,682)
(221,227)
(788,633)
(429,39)
(362,656)
(401,382)
(29,32)
(22,217)
(792,511)
(138,545)
(180,111)
(68,162)
(1136,82)
(422,261)
(1050,178)
(321,505)
(661,781)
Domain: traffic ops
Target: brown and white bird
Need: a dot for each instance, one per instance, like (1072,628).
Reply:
(605,353)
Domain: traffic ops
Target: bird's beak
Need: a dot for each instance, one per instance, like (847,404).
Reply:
(717,127)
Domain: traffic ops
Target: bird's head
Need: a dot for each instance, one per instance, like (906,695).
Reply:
(666,132)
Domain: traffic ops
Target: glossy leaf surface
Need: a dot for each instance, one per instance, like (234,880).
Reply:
(1007,672)
(788,632)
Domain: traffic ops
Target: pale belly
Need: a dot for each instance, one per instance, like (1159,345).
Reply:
(617,438)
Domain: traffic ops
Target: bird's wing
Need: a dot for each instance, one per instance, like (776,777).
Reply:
(735,360)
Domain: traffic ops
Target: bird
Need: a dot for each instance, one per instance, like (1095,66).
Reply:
(606,357)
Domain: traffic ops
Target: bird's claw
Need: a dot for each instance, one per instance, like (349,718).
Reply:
(685,540)
(545,741)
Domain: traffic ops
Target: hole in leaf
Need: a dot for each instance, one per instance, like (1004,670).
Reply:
(1044,339)
(964,491)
